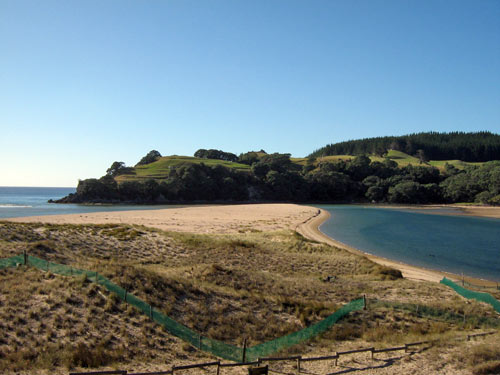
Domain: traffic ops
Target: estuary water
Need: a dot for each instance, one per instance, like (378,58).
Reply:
(32,201)
(430,239)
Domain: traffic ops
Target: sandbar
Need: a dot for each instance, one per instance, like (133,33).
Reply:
(197,219)
(451,209)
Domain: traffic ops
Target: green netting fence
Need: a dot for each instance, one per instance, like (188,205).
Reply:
(218,348)
(470,294)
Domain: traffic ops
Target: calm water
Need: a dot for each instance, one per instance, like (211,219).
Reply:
(32,201)
(438,241)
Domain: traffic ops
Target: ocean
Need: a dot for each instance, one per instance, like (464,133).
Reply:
(32,201)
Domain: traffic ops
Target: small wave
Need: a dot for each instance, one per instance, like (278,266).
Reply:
(13,206)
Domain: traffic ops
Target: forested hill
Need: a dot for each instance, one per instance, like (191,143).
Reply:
(471,147)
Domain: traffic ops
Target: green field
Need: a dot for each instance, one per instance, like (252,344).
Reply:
(159,169)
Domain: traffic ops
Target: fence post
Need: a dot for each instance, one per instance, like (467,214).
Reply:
(298,365)
(25,257)
(218,368)
(244,351)
(364,301)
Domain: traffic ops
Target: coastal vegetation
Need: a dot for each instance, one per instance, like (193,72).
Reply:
(258,177)
(253,285)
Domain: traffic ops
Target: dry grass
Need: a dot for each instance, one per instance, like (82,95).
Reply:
(252,285)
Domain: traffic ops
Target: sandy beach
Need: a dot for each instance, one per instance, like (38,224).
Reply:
(452,209)
(481,211)
(200,219)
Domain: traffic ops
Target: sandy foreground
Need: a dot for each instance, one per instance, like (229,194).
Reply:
(241,218)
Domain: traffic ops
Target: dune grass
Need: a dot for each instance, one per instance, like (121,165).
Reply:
(253,285)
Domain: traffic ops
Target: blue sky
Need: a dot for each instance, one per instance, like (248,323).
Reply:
(85,83)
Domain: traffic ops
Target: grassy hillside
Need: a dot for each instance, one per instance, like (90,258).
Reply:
(159,169)
(251,285)
(399,157)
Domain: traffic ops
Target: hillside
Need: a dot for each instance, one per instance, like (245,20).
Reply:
(251,285)
(396,178)
(469,147)
(160,169)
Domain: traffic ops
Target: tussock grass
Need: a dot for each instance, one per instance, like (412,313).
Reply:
(251,285)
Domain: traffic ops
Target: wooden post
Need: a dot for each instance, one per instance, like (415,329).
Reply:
(218,368)
(364,301)
(298,365)
(243,360)
(25,258)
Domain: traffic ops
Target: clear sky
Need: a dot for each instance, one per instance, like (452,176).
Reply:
(84,83)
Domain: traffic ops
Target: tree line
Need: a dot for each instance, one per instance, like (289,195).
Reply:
(274,177)
(472,147)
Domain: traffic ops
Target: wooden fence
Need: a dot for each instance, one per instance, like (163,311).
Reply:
(297,358)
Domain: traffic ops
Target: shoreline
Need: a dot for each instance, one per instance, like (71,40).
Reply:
(310,229)
(454,209)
